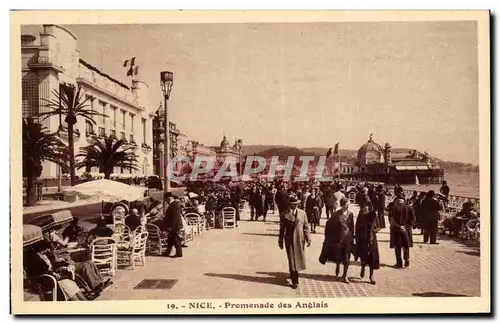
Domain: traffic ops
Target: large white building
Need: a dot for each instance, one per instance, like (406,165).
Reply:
(52,58)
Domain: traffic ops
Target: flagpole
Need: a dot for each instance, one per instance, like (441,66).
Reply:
(340,167)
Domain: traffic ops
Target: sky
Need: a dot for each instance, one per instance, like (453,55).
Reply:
(413,84)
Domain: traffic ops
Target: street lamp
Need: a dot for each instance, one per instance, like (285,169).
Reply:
(166,82)
(239,145)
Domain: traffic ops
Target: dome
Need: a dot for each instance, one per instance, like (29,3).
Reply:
(224,144)
(370,153)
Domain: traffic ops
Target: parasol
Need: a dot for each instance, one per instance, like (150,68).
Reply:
(106,190)
(47,222)
(31,234)
(192,195)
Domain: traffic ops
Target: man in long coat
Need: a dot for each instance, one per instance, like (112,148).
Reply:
(173,225)
(401,218)
(294,234)
(329,200)
(430,216)
(281,199)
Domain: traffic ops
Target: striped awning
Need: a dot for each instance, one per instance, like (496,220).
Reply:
(46,222)
(31,234)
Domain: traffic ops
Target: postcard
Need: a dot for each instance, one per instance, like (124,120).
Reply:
(250,162)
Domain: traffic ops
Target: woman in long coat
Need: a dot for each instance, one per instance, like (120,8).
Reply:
(366,242)
(339,239)
(313,204)
(294,234)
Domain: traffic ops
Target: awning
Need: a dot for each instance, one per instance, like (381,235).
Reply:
(411,167)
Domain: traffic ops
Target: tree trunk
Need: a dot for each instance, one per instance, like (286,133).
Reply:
(107,175)
(31,194)
(71,146)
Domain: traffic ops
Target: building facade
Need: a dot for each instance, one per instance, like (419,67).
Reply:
(377,163)
(53,58)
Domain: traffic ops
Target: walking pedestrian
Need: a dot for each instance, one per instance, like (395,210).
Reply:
(173,225)
(366,242)
(380,208)
(329,200)
(339,239)
(401,219)
(294,235)
(313,204)
(429,209)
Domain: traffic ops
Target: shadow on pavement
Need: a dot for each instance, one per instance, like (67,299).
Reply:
(437,294)
(316,277)
(471,253)
(261,234)
(470,244)
(278,280)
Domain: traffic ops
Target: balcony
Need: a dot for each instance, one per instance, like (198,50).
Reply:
(44,62)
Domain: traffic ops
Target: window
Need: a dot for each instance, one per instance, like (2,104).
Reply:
(113,117)
(103,111)
(132,138)
(131,123)
(113,133)
(91,102)
(122,136)
(90,129)
(143,130)
(102,132)
(124,114)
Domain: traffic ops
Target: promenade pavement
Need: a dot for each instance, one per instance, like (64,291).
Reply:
(246,262)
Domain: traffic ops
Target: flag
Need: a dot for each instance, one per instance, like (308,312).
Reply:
(132,61)
(129,72)
(329,153)
(336,150)
(125,63)
(136,70)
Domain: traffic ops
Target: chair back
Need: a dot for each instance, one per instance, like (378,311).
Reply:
(154,232)
(140,241)
(103,254)
(352,197)
(228,217)
(47,287)
(228,213)
(121,232)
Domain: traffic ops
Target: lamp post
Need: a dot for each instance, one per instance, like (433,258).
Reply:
(166,82)
(239,144)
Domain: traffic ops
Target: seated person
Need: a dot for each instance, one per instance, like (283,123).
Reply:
(191,207)
(39,261)
(73,231)
(133,220)
(454,224)
(101,230)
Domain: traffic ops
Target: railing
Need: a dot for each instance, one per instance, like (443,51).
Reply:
(50,182)
(454,202)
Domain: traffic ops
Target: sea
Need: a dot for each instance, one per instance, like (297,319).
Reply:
(465,184)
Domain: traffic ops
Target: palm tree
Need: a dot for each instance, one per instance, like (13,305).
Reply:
(71,104)
(38,146)
(106,154)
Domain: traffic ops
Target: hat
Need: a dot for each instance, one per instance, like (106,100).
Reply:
(293,200)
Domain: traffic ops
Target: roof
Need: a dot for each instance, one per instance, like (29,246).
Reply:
(93,68)
(369,146)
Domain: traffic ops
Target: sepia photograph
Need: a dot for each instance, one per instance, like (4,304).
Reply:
(250,163)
